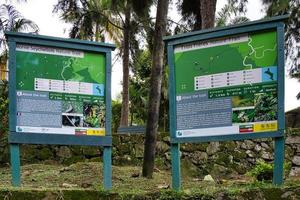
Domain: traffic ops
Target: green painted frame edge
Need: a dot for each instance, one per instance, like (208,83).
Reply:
(13,39)
(256,22)
(267,25)
(59,139)
(29,36)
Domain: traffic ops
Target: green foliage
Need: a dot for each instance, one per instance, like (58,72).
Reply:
(139,90)
(116,115)
(261,171)
(230,14)
(264,171)
(12,20)
(90,19)
(265,107)
(292,33)
(3,121)
(293,131)
(139,87)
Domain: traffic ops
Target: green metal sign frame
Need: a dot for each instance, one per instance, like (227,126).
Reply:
(276,24)
(16,138)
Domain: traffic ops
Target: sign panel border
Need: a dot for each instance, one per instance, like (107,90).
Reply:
(59,139)
(277,26)
(275,23)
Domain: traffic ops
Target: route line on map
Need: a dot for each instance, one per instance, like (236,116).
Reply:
(255,53)
(62,72)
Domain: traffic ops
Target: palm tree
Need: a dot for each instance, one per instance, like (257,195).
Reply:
(228,15)
(200,14)
(93,19)
(90,19)
(11,20)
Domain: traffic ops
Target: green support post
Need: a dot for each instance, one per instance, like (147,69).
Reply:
(176,175)
(107,168)
(15,164)
(278,161)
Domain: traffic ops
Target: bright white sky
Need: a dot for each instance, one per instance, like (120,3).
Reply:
(41,13)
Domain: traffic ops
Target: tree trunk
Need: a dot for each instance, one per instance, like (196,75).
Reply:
(155,90)
(125,93)
(207,10)
(198,21)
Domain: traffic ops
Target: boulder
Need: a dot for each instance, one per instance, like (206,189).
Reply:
(208,178)
(213,148)
(267,155)
(295,171)
(64,152)
(296,160)
(188,168)
(161,147)
(265,145)
(248,145)
(219,171)
(292,140)
(139,150)
(91,152)
(250,153)
(257,148)
(198,157)
(297,147)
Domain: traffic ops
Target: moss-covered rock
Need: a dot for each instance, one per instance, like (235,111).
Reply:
(223,158)
(73,159)
(188,168)
(45,153)
(90,152)
(194,147)
(239,155)
(228,146)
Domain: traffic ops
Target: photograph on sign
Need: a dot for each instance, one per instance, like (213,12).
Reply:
(60,91)
(227,85)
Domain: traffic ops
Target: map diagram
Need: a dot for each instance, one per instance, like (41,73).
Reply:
(241,52)
(70,83)
(65,68)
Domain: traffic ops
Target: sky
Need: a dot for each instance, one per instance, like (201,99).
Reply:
(40,11)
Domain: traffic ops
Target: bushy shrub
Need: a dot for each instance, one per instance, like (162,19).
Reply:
(116,115)
(3,121)
(262,171)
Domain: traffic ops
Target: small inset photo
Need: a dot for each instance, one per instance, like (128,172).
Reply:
(243,116)
(72,107)
(94,115)
(72,120)
(265,107)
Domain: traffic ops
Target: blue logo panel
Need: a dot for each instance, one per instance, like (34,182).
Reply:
(269,74)
(98,90)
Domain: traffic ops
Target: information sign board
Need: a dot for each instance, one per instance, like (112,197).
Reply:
(227,85)
(59,93)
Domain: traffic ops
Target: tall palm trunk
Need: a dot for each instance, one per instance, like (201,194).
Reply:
(155,90)
(207,10)
(125,94)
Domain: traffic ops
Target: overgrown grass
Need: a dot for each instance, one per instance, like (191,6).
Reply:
(88,176)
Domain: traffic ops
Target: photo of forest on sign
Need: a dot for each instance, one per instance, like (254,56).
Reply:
(265,107)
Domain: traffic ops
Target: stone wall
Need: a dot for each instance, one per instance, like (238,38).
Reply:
(220,159)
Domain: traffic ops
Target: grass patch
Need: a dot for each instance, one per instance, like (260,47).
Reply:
(87,176)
